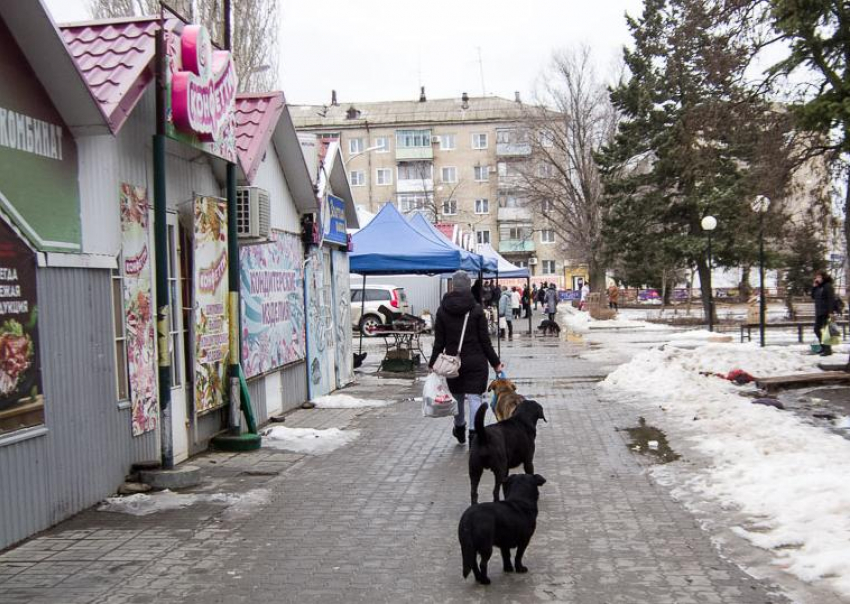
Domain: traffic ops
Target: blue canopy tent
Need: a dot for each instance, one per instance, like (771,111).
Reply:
(390,245)
(470,260)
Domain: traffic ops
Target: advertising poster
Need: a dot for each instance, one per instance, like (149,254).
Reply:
(138,314)
(210,309)
(335,224)
(272,299)
(21,400)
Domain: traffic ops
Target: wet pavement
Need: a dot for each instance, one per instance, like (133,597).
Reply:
(376,520)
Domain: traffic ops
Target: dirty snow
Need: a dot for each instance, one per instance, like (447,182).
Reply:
(786,477)
(143,504)
(308,440)
(344,401)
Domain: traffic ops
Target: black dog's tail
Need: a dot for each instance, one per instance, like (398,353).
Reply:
(480,434)
(467,547)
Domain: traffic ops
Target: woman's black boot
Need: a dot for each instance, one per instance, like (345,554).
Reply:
(459,432)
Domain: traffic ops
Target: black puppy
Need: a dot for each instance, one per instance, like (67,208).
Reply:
(504,445)
(505,524)
(547,326)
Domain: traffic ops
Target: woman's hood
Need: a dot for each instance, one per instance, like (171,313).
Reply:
(458,303)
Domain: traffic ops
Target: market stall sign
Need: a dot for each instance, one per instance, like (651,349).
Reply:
(201,92)
(21,400)
(39,188)
(335,224)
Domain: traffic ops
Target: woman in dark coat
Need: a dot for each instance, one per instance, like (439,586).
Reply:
(824,296)
(476,353)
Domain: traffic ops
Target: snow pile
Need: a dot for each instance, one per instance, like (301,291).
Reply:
(788,478)
(574,320)
(344,401)
(308,440)
(143,504)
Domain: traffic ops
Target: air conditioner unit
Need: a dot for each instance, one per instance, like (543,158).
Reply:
(435,140)
(252,213)
(532,261)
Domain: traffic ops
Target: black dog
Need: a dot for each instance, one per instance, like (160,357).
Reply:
(549,327)
(505,524)
(505,445)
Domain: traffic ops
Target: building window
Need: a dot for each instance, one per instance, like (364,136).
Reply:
(415,170)
(547,139)
(357,178)
(502,167)
(383,176)
(450,207)
(521,263)
(544,170)
(447,142)
(411,139)
(547,206)
(121,371)
(482,206)
(482,237)
(508,200)
(382,144)
(414,201)
(479,141)
(482,173)
(515,233)
(548,267)
(547,236)
(355,145)
(449,174)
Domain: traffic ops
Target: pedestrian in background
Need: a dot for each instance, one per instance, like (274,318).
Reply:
(516,302)
(486,294)
(476,290)
(534,293)
(506,313)
(585,292)
(541,294)
(526,302)
(613,296)
(476,352)
(823,294)
(551,302)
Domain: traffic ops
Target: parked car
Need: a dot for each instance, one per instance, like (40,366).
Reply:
(390,296)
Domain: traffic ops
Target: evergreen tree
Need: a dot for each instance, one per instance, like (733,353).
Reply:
(693,141)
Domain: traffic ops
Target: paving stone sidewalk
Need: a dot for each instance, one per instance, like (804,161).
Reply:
(376,521)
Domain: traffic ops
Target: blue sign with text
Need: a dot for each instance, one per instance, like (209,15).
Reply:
(335,225)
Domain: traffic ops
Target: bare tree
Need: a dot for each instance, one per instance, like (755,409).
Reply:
(255,31)
(571,121)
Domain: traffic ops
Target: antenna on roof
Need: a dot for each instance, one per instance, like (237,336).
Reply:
(481,72)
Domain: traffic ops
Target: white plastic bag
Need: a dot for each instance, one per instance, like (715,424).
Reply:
(437,401)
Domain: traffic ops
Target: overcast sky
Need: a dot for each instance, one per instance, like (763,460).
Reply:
(385,49)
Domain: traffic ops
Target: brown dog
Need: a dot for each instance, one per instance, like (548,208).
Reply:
(506,398)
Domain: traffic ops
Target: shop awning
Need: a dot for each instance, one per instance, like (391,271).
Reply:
(507,270)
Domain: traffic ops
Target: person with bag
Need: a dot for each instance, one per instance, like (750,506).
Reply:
(506,315)
(551,302)
(460,332)
(824,296)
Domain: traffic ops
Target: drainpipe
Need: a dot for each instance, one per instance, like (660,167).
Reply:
(163,317)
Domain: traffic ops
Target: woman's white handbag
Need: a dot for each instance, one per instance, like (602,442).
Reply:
(449,365)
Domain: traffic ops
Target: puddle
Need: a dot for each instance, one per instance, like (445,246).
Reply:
(823,406)
(648,440)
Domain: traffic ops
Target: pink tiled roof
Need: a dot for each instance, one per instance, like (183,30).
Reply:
(116,59)
(256,118)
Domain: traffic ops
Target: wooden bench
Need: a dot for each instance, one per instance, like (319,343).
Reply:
(799,325)
(773,385)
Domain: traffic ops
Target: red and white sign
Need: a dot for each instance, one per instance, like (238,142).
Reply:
(203,86)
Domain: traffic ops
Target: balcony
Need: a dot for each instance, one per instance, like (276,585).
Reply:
(516,246)
(413,153)
(513,149)
(514,215)
(415,185)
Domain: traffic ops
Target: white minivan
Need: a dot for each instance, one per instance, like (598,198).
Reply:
(390,296)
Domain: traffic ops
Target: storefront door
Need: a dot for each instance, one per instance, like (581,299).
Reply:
(180,412)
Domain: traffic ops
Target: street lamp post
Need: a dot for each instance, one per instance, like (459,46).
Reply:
(760,205)
(709,223)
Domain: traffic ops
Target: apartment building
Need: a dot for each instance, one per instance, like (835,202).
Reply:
(455,160)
